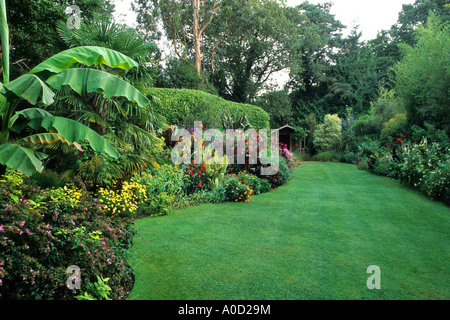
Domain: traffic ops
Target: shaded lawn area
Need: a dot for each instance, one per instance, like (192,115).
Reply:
(312,238)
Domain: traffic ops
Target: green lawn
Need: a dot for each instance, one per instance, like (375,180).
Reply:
(312,238)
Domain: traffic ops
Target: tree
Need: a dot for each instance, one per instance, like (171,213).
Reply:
(33,28)
(413,15)
(355,74)
(105,32)
(310,77)
(198,31)
(386,46)
(249,42)
(243,43)
(184,23)
(181,74)
(278,105)
(423,76)
(34,87)
(328,135)
(386,52)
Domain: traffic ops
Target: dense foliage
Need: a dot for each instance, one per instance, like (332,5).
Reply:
(184,106)
(44,231)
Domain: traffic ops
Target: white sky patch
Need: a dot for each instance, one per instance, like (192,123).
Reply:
(371,15)
(123,12)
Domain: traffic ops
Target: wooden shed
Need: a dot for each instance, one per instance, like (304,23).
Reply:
(286,136)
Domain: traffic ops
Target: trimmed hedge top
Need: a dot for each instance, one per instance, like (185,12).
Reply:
(184,106)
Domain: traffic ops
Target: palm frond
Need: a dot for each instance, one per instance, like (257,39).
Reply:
(117,142)
(139,137)
(92,117)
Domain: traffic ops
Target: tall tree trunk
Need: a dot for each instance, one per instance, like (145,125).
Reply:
(197,38)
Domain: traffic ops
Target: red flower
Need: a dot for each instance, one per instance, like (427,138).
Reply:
(203,166)
(200,184)
(199,172)
(387,144)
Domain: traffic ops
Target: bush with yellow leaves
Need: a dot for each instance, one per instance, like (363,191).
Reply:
(123,201)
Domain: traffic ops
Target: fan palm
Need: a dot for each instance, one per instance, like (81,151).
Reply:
(121,121)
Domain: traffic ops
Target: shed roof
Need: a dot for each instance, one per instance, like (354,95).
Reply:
(286,127)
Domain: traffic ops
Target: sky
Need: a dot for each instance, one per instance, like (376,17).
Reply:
(371,15)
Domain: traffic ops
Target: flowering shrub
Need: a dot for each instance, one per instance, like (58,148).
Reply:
(196,178)
(124,201)
(250,180)
(394,128)
(236,190)
(287,155)
(426,168)
(43,232)
(239,187)
(265,186)
(362,164)
(163,186)
(281,176)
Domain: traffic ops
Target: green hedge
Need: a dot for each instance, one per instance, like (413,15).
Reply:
(181,106)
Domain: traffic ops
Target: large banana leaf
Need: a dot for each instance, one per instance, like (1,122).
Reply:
(28,114)
(30,88)
(19,158)
(86,55)
(32,113)
(90,80)
(48,138)
(73,131)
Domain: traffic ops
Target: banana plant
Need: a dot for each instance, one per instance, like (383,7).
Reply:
(36,87)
